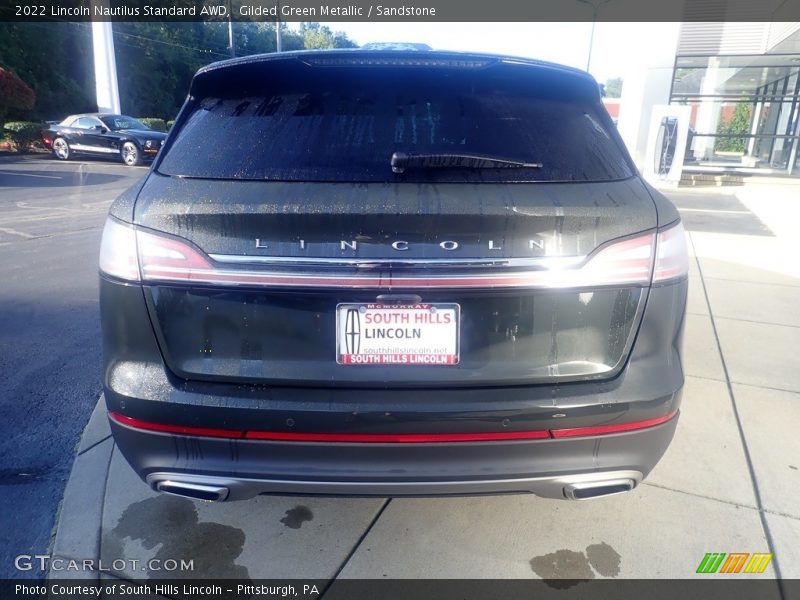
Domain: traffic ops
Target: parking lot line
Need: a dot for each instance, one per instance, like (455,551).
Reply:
(711,210)
(31,175)
(10,231)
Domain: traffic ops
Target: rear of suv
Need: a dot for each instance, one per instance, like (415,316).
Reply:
(387,273)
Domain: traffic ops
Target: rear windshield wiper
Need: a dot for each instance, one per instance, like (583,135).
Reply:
(403,160)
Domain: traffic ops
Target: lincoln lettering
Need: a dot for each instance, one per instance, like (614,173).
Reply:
(404,245)
(400,333)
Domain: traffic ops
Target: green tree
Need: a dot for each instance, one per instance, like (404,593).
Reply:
(14,94)
(316,37)
(739,123)
(155,61)
(55,60)
(613,87)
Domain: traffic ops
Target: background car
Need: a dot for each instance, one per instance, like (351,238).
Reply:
(105,135)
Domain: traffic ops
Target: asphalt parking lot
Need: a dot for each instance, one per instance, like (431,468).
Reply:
(51,216)
(729,482)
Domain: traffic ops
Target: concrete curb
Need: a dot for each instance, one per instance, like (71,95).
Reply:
(80,522)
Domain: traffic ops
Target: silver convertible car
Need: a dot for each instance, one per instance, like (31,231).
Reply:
(392,273)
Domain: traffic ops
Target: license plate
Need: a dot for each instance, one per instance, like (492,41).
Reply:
(392,334)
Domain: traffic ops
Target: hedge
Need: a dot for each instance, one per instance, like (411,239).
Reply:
(170,123)
(154,123)
(14,93)
(23,133)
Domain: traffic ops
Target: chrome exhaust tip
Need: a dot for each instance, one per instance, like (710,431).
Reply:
(195,491)
(598,489)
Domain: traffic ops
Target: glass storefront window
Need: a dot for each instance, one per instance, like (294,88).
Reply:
(744,110)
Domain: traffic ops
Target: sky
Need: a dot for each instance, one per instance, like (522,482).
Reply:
(617,47)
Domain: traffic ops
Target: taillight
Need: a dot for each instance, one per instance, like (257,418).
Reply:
(163,258)
(118,251)
(627,262)
(672,256)
(631,261)
(125,253)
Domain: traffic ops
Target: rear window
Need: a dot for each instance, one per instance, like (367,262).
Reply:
(344,124)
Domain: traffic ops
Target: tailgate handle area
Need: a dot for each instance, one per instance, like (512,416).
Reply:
(398,299)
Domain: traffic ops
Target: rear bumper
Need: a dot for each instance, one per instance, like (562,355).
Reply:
(552,468)
(137,384)
(571,487)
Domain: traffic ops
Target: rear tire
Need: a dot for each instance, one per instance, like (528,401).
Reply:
(61,149)
(131,155)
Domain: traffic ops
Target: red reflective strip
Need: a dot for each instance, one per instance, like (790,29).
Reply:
(391,438)
(289,436)
(616,428)
(179,429)
(398,438)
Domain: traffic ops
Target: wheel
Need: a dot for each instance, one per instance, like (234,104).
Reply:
(131,155)
(61,149)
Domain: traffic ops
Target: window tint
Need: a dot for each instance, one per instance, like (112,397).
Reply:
(86,123)
(344,125)
(117,122)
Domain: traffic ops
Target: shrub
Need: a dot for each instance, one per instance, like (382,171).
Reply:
(170,123)
(23,133)
(740,122)
(154,123)
(14,93)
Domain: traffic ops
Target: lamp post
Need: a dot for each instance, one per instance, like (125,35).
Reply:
(278,44)
(231,46)
(105,63)
(595,9)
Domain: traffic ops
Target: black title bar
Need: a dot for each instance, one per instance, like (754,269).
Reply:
(742,587)
(399,10)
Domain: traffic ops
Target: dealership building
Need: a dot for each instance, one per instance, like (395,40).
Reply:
(735,85)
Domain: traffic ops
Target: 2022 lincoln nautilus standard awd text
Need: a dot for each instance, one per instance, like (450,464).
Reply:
(373,272)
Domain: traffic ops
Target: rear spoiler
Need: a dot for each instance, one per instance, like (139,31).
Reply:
(239,72)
